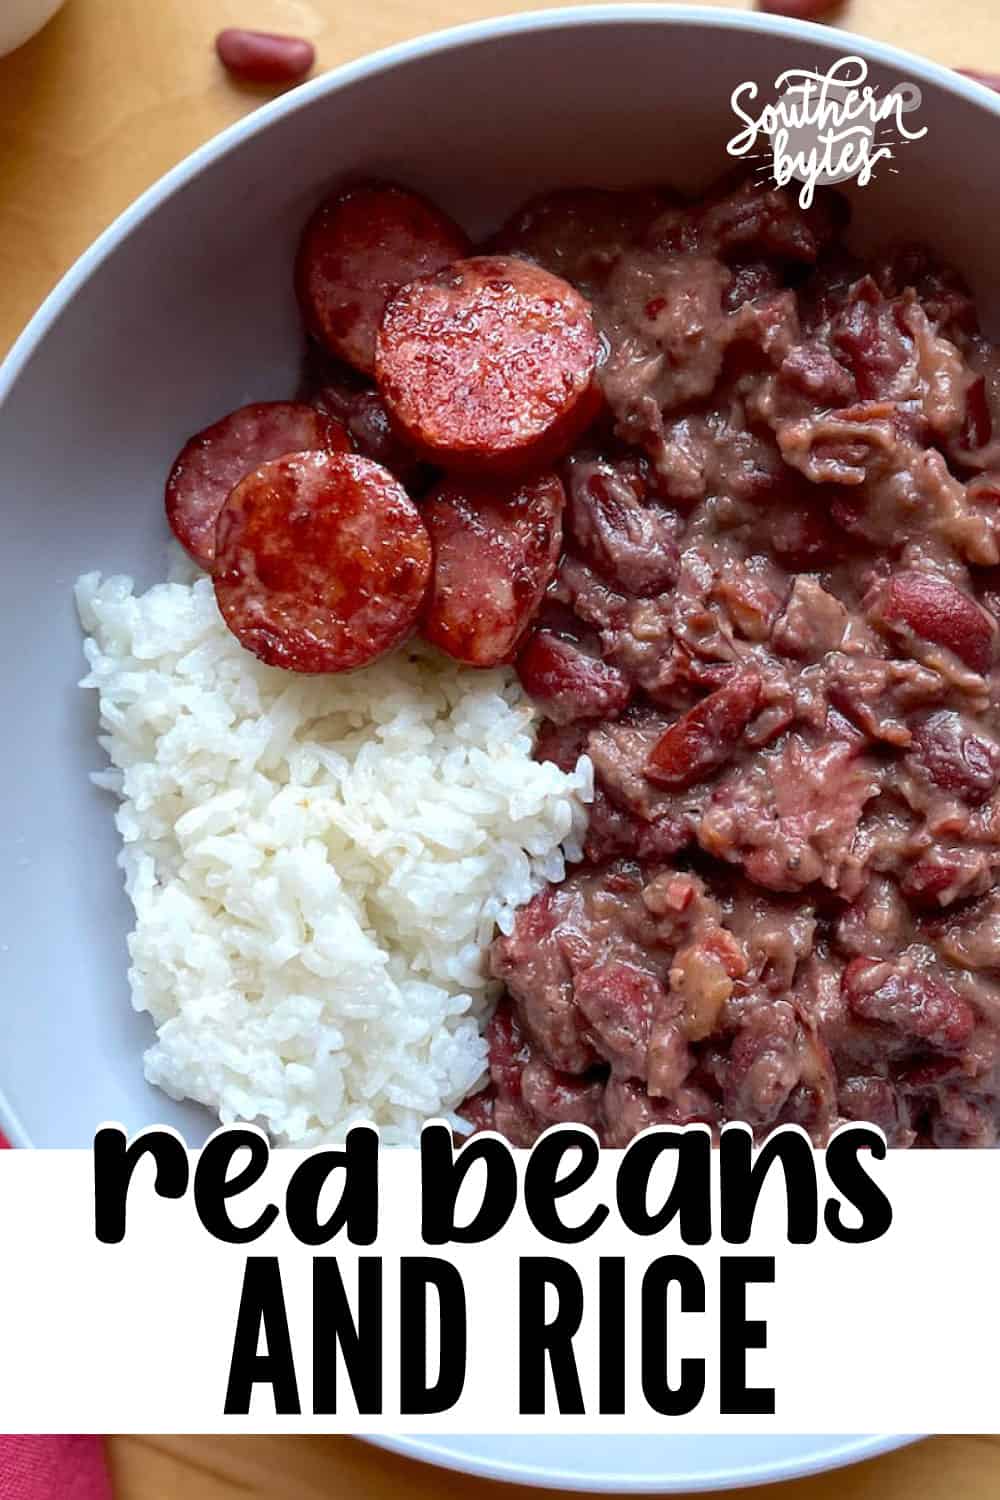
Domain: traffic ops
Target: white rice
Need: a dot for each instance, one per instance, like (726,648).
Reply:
(317,864)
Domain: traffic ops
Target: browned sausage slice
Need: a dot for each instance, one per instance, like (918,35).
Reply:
(489,365)
(361,244)
(322,562)
(495,553)
(213,461)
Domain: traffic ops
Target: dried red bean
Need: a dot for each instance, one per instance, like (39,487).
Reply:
(263,57)
(799,10)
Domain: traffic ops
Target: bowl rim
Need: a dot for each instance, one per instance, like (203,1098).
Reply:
(837,1452)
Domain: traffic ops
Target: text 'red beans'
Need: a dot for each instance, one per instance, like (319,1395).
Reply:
(263,57)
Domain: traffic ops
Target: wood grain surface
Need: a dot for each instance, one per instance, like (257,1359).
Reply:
(92,111)
(265,1468)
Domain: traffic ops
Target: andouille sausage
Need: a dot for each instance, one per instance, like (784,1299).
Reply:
(362,243)
(322,562)
(496,549)
(214,460)
(489,365)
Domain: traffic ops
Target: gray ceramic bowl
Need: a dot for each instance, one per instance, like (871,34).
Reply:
(184,309)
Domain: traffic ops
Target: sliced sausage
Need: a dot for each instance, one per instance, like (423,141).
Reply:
(495,552)
(213,461)
(263,57)
(489,364)
(322,562)
(361,244)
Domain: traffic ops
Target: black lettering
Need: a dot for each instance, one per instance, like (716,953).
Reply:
(442,1173)
(668,1400)
(358,1339)
(611,1337)
(553,1340)
(357,1206)
(418,1395)
(737,1335)
(262,1311)
(115,1160)
(213,1187)
(742,1177)
(543,1186)
(690,1195)
(850,1178)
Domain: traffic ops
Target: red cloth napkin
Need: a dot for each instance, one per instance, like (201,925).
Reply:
(53,1468)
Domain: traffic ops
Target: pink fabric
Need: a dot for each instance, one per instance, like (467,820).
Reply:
(53,1468)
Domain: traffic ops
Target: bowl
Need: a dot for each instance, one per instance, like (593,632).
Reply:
(183,309)
(20,20)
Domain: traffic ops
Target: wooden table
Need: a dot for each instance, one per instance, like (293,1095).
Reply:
(262,1468)
(111,94)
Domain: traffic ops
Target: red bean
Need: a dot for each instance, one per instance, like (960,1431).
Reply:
(934,609)
(799,10)
(568,683)
(705,737)
(954,758)
(909,1000)
(262,57)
